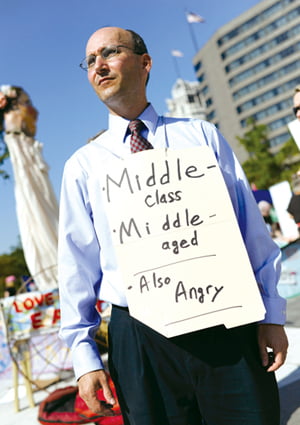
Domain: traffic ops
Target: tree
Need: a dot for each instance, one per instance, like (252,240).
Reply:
(264,168)
(288,157)
(12,264)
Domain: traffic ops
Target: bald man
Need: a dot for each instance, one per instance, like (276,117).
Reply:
(215,376)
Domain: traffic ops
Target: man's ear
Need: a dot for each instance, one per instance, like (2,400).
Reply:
(147,62)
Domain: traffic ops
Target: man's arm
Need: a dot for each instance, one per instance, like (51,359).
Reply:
(79,281)
(263,253)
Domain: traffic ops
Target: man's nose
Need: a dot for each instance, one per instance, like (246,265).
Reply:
(100,63)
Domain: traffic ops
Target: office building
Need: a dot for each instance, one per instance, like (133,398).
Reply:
(249,68)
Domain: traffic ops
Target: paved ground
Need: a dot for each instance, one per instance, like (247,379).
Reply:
(288,378)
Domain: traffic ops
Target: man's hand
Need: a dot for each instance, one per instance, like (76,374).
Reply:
(274,337)
(88,386)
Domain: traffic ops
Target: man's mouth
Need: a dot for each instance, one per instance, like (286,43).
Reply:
(103,80)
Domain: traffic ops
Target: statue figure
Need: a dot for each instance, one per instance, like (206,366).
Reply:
(17,114)
(36,204)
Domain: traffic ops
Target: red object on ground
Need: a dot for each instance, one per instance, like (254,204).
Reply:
(65,406)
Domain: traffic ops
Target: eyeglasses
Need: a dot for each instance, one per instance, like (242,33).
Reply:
(106,53)
(296,109)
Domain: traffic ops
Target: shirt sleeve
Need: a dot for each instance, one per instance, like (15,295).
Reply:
(79,272)
(264,254)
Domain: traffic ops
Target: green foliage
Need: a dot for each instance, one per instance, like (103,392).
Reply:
(286,158)
(12,264)
(263,168)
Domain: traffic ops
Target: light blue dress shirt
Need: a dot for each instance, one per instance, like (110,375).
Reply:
(88,268)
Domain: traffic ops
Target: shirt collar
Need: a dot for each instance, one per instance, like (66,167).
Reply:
(118,125)
(149,118)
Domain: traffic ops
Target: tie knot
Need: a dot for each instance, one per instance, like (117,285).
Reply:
(136,126)
(137,141)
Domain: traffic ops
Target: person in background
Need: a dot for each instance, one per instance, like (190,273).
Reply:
(296,102)
(215,376)
(294,205)
(265,209)
(10,286)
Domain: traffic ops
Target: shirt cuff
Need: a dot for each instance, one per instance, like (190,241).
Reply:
(275,310)
(86,358)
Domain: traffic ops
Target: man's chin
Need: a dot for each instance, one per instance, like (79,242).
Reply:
(106,94)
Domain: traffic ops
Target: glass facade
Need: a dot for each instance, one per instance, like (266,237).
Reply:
(278,6)
(263,48)
(266,63)
(255,71)
(286,87)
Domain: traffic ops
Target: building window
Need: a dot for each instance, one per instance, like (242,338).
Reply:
(201,78)
(283,88)
(274,125)
(279,140)
(271,110)
(211,115)
(259,67)
(197,66)
(208,102)
(261,33)
(205,90)
(286,35)
(267,79)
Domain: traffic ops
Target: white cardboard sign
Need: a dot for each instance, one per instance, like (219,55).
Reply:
(294,127)
(178,243)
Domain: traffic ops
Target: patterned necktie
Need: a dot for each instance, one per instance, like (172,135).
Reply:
(137,141)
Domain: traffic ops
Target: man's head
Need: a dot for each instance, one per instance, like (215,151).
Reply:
(296,102)
(118,67)
(265,208)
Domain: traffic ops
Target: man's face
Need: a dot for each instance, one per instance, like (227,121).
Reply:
(297,104)
(122,77)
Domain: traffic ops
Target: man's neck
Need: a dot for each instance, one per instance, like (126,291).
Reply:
(128,111)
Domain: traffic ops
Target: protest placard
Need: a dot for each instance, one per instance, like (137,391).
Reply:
(294,127)
(30,313)
(178,243)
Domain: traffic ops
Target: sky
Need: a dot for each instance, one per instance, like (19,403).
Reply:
(42,43)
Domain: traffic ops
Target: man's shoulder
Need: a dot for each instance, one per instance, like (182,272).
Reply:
(90,144)
(174,120)
(191,127)
(188,122)
(83,156)
(96,136)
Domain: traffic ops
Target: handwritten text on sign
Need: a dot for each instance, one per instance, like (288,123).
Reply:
(178,243)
